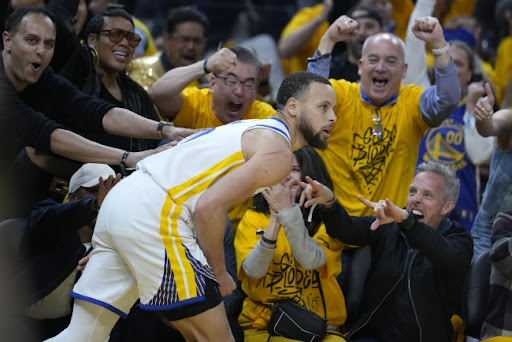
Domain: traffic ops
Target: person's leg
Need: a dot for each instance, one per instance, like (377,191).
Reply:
(211,325)
(89,323)
(204,320)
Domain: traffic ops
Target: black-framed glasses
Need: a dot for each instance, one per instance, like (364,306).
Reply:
(377,129)
(116,36)
(233,83)
(188,40)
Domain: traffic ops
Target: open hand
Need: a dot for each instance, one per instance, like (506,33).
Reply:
(314,192)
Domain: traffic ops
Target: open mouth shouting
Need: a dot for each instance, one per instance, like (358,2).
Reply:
(234,107)
(380,82)
(36,66)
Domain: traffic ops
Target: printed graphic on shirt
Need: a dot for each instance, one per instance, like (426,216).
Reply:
(287,281)
(369,155)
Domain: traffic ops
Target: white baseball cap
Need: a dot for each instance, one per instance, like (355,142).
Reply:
(89,175)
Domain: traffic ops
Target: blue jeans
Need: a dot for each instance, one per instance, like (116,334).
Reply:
(495,192)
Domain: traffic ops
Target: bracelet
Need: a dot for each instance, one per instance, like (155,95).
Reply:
(122,165)
(270,242)
(160,127)
(317,56)
(331,201)
(205,68)
(437,52)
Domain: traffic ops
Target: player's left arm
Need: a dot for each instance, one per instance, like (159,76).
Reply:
(269,160)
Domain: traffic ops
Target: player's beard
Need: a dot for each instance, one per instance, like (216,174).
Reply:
(313,139)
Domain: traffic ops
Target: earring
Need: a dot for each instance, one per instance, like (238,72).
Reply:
(95,57)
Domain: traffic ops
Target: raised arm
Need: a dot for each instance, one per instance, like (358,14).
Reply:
(415,54)
(342,29)
(290,44)
(166,92)
(440,100)
(497,124)
(281,200)
(269,160)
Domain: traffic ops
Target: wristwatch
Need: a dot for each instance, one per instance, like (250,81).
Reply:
(409,221)
(160,127)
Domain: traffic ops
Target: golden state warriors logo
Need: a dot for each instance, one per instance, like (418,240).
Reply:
(445,144)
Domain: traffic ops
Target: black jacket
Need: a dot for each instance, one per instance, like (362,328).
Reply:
(51,246)
(416,278)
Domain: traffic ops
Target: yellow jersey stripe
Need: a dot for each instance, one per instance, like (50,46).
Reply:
(184,275)
(200,182)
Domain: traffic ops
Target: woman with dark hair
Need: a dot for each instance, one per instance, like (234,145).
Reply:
(109,45)
(298,262)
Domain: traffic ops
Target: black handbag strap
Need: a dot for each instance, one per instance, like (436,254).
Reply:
(321,294)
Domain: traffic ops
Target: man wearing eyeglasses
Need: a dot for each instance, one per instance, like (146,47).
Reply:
(230,97)
(374,152)
(184,44)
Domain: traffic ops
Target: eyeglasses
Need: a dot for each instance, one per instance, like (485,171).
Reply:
(233,83)
(117,35)
(377,130)
(188,40)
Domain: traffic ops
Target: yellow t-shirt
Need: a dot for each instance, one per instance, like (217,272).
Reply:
(196,111)
(285,278)
(299,61)
(361,165)
(502,68)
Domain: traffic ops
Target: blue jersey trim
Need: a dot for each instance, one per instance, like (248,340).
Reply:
(100,303)
(150,307)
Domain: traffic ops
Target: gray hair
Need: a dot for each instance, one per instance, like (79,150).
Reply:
(452,188)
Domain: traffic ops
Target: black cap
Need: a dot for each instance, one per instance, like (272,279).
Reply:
(370,13)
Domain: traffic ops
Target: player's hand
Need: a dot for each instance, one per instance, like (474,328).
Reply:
(226,284)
